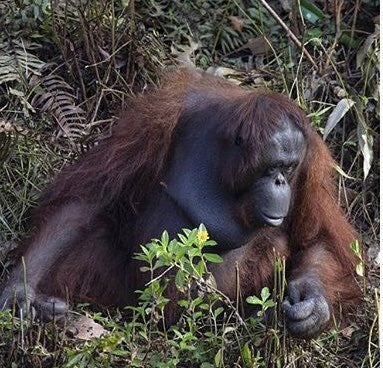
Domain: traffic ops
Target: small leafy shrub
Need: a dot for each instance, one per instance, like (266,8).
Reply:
(209,332)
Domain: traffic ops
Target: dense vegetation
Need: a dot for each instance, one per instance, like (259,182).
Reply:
(66,68)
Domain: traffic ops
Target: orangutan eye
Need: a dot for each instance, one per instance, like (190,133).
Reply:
(288,170)
(273,170)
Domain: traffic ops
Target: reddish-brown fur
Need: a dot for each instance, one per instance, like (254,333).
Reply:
(117,176)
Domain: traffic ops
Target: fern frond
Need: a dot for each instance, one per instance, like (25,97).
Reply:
(17,63)
(55,97)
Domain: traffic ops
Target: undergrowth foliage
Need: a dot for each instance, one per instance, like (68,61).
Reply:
(209,332)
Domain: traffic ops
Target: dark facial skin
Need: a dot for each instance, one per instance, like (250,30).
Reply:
(271,190)
(200,191)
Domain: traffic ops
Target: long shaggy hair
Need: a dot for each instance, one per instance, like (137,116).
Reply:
(118,175)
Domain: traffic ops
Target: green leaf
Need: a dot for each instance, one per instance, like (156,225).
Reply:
(186,232)
(204,306)
(144,269)
(246,355)
(75,360)
(254,300)
(213,258)
(196,302)
(311,12)
(356,248)
(265,293)
(165,238)
(218,311)
(314,33)
(180,279)
(180,252)
(193,236)
(183,238)
(206,365)
(173,247)
(218,359)
(193,252)
(183,303)
(349,41)
(120,352)
(200,267)
(210,243)
(269,304)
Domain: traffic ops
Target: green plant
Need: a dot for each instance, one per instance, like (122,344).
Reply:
(264,302)
(357,249)
(209,329)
